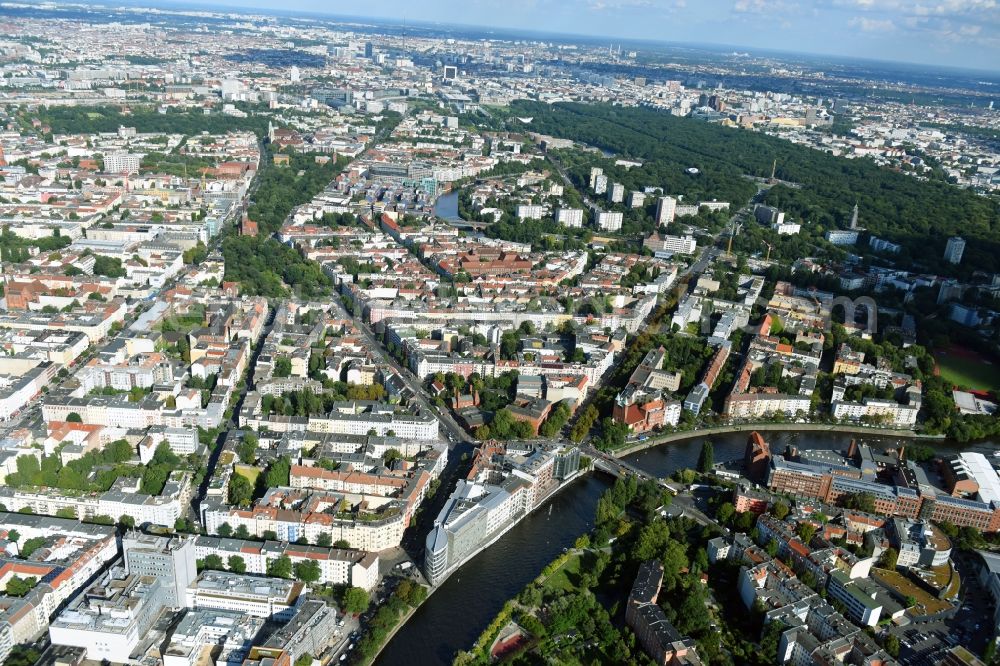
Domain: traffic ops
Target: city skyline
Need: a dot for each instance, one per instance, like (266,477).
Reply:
(955,33)
(308,316)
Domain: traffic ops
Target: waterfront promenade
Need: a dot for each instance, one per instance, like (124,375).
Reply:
(658,440)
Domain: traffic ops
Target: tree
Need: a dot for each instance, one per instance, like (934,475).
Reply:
(278,473)
(126,521)
(304,659)
(280,567)
(242,532)
(780,510)
(859,502)
(18,587)
(892,646)
(725,512)
(355,600)
(889,558)
(225,530)
(806,531)
(240,490)
(66,512)
(154,477)
(237,564)
(324,540)
(411,592)
(307,571)
(674,561)
(341,543)
(391,456)
(706,459)
(73,417)
(108,266)
(13,536)
(247,449)
(213,562)
(282,366)
(31,545)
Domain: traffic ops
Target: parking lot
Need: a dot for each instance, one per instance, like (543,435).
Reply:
(921,644)
(347,635)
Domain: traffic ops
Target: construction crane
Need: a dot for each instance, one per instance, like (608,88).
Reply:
(733,228)
(769,248)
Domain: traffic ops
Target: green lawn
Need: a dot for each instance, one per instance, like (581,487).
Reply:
(251,473)
(567,576)
(969,372)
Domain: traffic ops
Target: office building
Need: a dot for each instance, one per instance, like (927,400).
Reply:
(862,604)
(258,596)
(230,634)
(171,559)
(111,617)
(310,631)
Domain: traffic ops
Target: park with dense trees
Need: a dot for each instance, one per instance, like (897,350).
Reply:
(914,213)
(574,611)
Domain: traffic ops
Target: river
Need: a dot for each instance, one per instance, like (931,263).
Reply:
(454,616)
(446,207)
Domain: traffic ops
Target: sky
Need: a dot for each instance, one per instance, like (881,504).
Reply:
(960,33)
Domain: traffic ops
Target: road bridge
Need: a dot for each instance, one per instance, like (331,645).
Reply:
(621,469)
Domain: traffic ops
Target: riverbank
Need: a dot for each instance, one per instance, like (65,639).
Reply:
(496,537)
(459,609)
(659,440)
(395,630)
(431,589)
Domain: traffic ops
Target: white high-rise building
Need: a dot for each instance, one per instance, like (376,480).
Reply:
(170,559)
(609,220)
(617,193)
(954,249)
(569,217)
(122,162)
(669,245)
(530,212)
(665,209)
(600,184)
(594,173)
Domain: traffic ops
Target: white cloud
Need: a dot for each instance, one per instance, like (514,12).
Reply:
(617,5)
(866,24)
